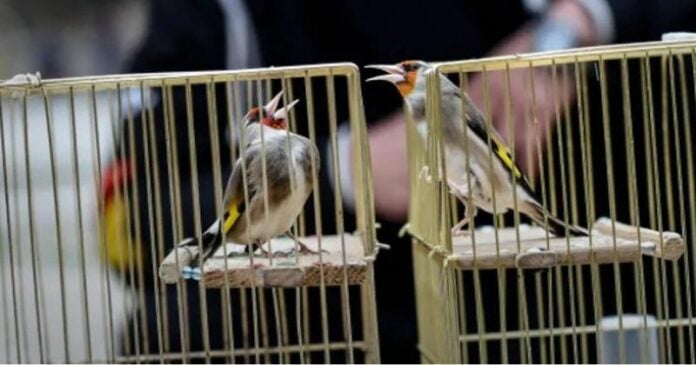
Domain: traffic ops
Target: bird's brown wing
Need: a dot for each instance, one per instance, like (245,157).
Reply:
(233,201)
(477,123)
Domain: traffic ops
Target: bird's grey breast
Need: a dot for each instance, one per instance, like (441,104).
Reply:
(304,153)
(286,155)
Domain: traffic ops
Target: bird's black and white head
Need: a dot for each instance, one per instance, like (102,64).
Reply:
(272,116)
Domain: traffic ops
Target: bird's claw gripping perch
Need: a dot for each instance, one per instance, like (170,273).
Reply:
(303,250)
(459,232)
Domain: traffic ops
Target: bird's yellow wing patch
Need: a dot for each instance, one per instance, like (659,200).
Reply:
(231,215)
(504,155)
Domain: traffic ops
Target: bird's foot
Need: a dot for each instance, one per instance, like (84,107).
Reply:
(264,252)
(284,253)
(250,250)
(460,191)
(460,232)
(303,250)
(193,273)
(320,265)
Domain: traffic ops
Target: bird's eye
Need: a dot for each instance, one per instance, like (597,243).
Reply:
(411,66)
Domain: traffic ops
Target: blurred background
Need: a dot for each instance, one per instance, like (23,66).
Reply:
(62,38)
(69,37)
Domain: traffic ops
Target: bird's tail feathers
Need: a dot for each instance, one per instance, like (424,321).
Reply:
(555,225)
(210,241)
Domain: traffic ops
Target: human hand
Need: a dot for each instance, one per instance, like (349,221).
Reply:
(527,109)
(524,112)
(390,167)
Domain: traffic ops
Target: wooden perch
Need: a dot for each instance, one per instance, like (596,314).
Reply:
(289,271)
(534,252)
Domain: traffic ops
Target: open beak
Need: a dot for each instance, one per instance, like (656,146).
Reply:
(394,73)
(282,113)
(272,105)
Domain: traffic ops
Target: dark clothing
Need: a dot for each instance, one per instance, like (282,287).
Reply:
(647,19)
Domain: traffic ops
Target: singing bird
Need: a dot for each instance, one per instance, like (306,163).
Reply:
(289,181)
(503,177)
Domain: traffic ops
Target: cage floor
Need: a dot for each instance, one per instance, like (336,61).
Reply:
(534,251)
(283,269)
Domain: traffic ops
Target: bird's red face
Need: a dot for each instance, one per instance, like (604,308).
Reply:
(272,118)
(275,123)
(403,75)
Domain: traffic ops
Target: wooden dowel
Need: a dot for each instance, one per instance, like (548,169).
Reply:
(536,252)
(286,271)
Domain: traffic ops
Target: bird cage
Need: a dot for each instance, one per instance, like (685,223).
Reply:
(103,176)
(608,132)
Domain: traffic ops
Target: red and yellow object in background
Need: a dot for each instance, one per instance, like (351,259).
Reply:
(119,244)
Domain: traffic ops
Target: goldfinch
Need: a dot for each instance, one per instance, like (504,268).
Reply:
(502,177)
(289,183)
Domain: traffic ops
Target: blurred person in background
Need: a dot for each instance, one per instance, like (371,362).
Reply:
(215,35)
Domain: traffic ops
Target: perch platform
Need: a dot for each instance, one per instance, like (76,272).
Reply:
(534,252)
(287,270)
